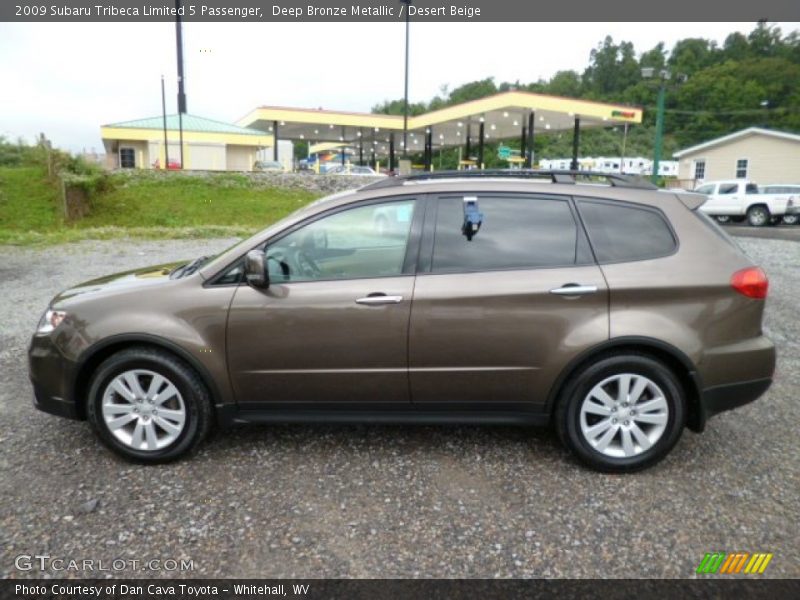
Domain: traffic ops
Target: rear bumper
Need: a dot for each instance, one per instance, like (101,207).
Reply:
(733,375)
(720,398)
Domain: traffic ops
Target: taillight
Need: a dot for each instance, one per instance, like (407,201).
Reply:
(751,282)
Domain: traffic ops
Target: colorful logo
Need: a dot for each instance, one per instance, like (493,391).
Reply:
(625,114)
(734,563)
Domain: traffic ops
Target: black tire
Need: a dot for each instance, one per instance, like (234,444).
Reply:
(791,219)
(758,216)
(568,409)
(723,219)
(194,394)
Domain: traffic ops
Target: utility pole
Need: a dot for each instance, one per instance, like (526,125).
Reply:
(164,116)
(181,86)
(405,95)
(624,143)
(662,89)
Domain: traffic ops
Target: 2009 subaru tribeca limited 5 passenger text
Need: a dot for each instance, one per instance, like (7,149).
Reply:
(618,313)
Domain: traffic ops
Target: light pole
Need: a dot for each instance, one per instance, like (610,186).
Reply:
(405,95)
(164,117)
(664,76)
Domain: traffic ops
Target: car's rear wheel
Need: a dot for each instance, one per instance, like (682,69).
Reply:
(758,216)
(791,219)
(723,219)
(623,412)
(148,405)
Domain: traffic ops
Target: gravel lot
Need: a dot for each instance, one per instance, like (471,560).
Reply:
(348,501)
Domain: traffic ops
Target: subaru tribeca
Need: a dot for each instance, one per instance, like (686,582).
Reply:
(615,312)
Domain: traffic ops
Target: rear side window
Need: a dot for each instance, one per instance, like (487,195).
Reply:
(516,233)
(621,232)
(751,188)
(728,188)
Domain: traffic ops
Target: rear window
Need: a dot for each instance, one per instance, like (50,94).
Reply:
(622,232)
(781,189)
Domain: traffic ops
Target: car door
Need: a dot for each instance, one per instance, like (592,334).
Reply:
(332,327)
(729,199)
(713,204)
(497,315)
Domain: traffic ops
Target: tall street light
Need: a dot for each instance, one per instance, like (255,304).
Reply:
(405,95)
(663,78)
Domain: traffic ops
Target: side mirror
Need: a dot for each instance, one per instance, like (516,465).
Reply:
(255,269)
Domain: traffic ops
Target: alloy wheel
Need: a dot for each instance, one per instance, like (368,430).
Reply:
(143,410)
(624,415)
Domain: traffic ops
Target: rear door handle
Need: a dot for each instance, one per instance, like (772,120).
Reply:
(574,289)
(378,299)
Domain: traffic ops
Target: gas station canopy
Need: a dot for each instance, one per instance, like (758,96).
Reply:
(508,115)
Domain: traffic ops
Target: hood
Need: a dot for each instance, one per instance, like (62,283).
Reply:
(120,282)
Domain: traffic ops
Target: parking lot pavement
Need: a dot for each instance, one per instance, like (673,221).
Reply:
(779,232)
(390,501)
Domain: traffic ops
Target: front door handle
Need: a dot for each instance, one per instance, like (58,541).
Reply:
(574,289)
(378,299)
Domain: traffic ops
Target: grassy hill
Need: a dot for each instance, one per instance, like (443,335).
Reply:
(142,205)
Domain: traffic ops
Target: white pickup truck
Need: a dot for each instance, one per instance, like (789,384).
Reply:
(739,199)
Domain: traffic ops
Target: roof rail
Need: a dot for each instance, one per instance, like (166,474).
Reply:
(564,176)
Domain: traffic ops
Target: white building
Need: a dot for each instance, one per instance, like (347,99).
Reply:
(761,155)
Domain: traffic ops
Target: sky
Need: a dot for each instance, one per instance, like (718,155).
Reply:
(66,80)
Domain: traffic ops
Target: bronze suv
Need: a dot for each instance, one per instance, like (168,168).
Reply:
(616,312)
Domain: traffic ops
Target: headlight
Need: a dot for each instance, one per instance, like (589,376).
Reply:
(50,320)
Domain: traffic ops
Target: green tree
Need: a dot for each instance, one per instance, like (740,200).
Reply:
(564,83)
(655,57)
(472,91)
(691,55)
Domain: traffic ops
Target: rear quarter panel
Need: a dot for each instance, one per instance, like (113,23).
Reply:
(686,299)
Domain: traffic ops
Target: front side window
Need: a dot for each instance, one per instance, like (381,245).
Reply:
(622,233)
(741,168)
(705,189)
(515,233)
(367,241)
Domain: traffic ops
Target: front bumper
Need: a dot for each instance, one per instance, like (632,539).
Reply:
(50,374)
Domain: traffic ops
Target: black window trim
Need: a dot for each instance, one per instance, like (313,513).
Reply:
(425,261)
(634,205)
(412,248)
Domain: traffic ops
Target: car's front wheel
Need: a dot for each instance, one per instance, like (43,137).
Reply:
(623,412)
(148,405)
